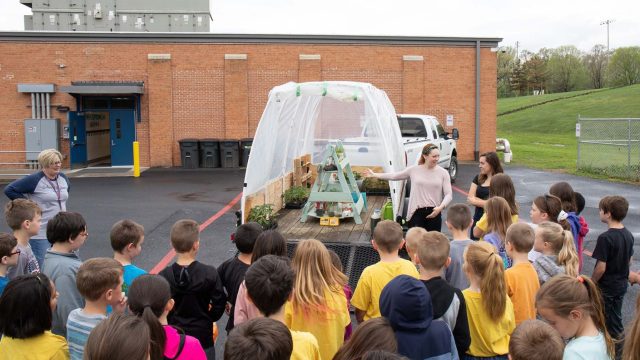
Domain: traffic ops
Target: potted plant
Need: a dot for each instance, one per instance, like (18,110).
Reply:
(295,197)
(263,215)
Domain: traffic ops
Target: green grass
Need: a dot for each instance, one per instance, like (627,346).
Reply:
(544,136)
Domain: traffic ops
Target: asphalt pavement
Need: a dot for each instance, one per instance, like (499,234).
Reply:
(160,197)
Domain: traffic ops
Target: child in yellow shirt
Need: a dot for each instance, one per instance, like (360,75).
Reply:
(318,303)
(522,279)
(489,309)
(387,241)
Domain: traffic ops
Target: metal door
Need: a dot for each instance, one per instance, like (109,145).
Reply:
(77,138)
(122,137)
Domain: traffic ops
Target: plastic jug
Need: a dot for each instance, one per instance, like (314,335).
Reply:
(387,210)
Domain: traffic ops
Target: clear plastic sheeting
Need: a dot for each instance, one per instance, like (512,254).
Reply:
(302,118)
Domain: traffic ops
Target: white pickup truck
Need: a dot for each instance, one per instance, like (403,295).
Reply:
(418,130)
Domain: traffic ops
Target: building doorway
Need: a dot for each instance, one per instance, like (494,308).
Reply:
(103,132)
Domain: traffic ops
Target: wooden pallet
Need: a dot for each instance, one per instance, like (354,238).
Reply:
(348,231)
(303,171)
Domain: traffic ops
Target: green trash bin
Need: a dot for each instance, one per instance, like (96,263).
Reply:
(189,153)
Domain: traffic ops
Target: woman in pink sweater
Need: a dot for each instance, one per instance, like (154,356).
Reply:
(430,189)
(150,299)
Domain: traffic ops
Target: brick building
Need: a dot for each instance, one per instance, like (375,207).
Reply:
(163,87)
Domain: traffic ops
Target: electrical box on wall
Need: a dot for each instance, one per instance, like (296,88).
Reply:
(41,134)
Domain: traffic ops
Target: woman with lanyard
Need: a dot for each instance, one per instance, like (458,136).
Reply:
(430,189)
(479,190)
(49,188)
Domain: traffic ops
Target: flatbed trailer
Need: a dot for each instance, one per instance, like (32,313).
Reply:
(347,231)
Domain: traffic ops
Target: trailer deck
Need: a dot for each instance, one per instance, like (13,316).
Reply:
(348,231)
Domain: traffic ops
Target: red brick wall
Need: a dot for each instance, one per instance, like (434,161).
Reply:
(199,94)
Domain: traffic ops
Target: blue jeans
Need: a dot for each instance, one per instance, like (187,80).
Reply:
(39,248)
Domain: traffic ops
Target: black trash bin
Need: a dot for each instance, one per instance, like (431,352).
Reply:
(210,153)
(229,153)
(245,146)
(189,153)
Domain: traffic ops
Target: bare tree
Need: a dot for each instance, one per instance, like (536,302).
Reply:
(596,63)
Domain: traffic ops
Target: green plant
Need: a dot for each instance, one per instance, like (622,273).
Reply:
(263,215)
(296,195)
(357,175)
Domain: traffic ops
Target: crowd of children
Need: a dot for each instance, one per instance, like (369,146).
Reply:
(516,293)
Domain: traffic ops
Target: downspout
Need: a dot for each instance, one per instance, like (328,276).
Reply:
(33,105)
(38,106)
(47,108)
(476,150)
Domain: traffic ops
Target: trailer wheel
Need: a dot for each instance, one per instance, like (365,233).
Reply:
(453,169)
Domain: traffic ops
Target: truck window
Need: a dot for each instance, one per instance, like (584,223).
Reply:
(441,132)
(412,127)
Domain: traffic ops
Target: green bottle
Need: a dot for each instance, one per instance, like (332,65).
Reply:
(387,210)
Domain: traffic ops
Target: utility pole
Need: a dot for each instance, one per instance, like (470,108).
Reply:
(607,22)
(517,53)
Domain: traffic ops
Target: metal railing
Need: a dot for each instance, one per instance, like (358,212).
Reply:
(609,146)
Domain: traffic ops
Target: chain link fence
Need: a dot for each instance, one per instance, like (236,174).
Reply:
(609,146)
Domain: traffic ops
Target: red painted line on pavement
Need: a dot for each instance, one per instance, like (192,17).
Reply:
(457,189)
(172,253)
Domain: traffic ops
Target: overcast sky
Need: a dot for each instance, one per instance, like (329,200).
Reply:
(534,24)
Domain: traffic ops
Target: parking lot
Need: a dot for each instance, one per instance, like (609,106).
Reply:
(162,196)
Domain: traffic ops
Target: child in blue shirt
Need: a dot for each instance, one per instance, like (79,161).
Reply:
(127,237)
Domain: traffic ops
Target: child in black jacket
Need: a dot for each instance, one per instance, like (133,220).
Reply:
(195,287)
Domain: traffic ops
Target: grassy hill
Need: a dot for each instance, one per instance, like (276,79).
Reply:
(543,136)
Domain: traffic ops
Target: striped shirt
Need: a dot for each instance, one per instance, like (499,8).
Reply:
(79,325)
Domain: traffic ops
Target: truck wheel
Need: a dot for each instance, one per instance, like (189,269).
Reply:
(453,169)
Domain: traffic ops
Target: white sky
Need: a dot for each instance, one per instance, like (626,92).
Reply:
(534,24)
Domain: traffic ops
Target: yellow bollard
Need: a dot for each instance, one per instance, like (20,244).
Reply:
(136,159)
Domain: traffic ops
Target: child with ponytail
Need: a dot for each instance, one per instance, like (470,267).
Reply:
(489,309)
(318,304)
(150,299)
(558,252)
(573,306)
(498,215)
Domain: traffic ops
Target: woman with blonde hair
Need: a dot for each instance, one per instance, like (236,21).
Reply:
(489,309)
(318,304)
(49,188)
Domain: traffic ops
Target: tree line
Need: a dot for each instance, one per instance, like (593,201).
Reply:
(565,68)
